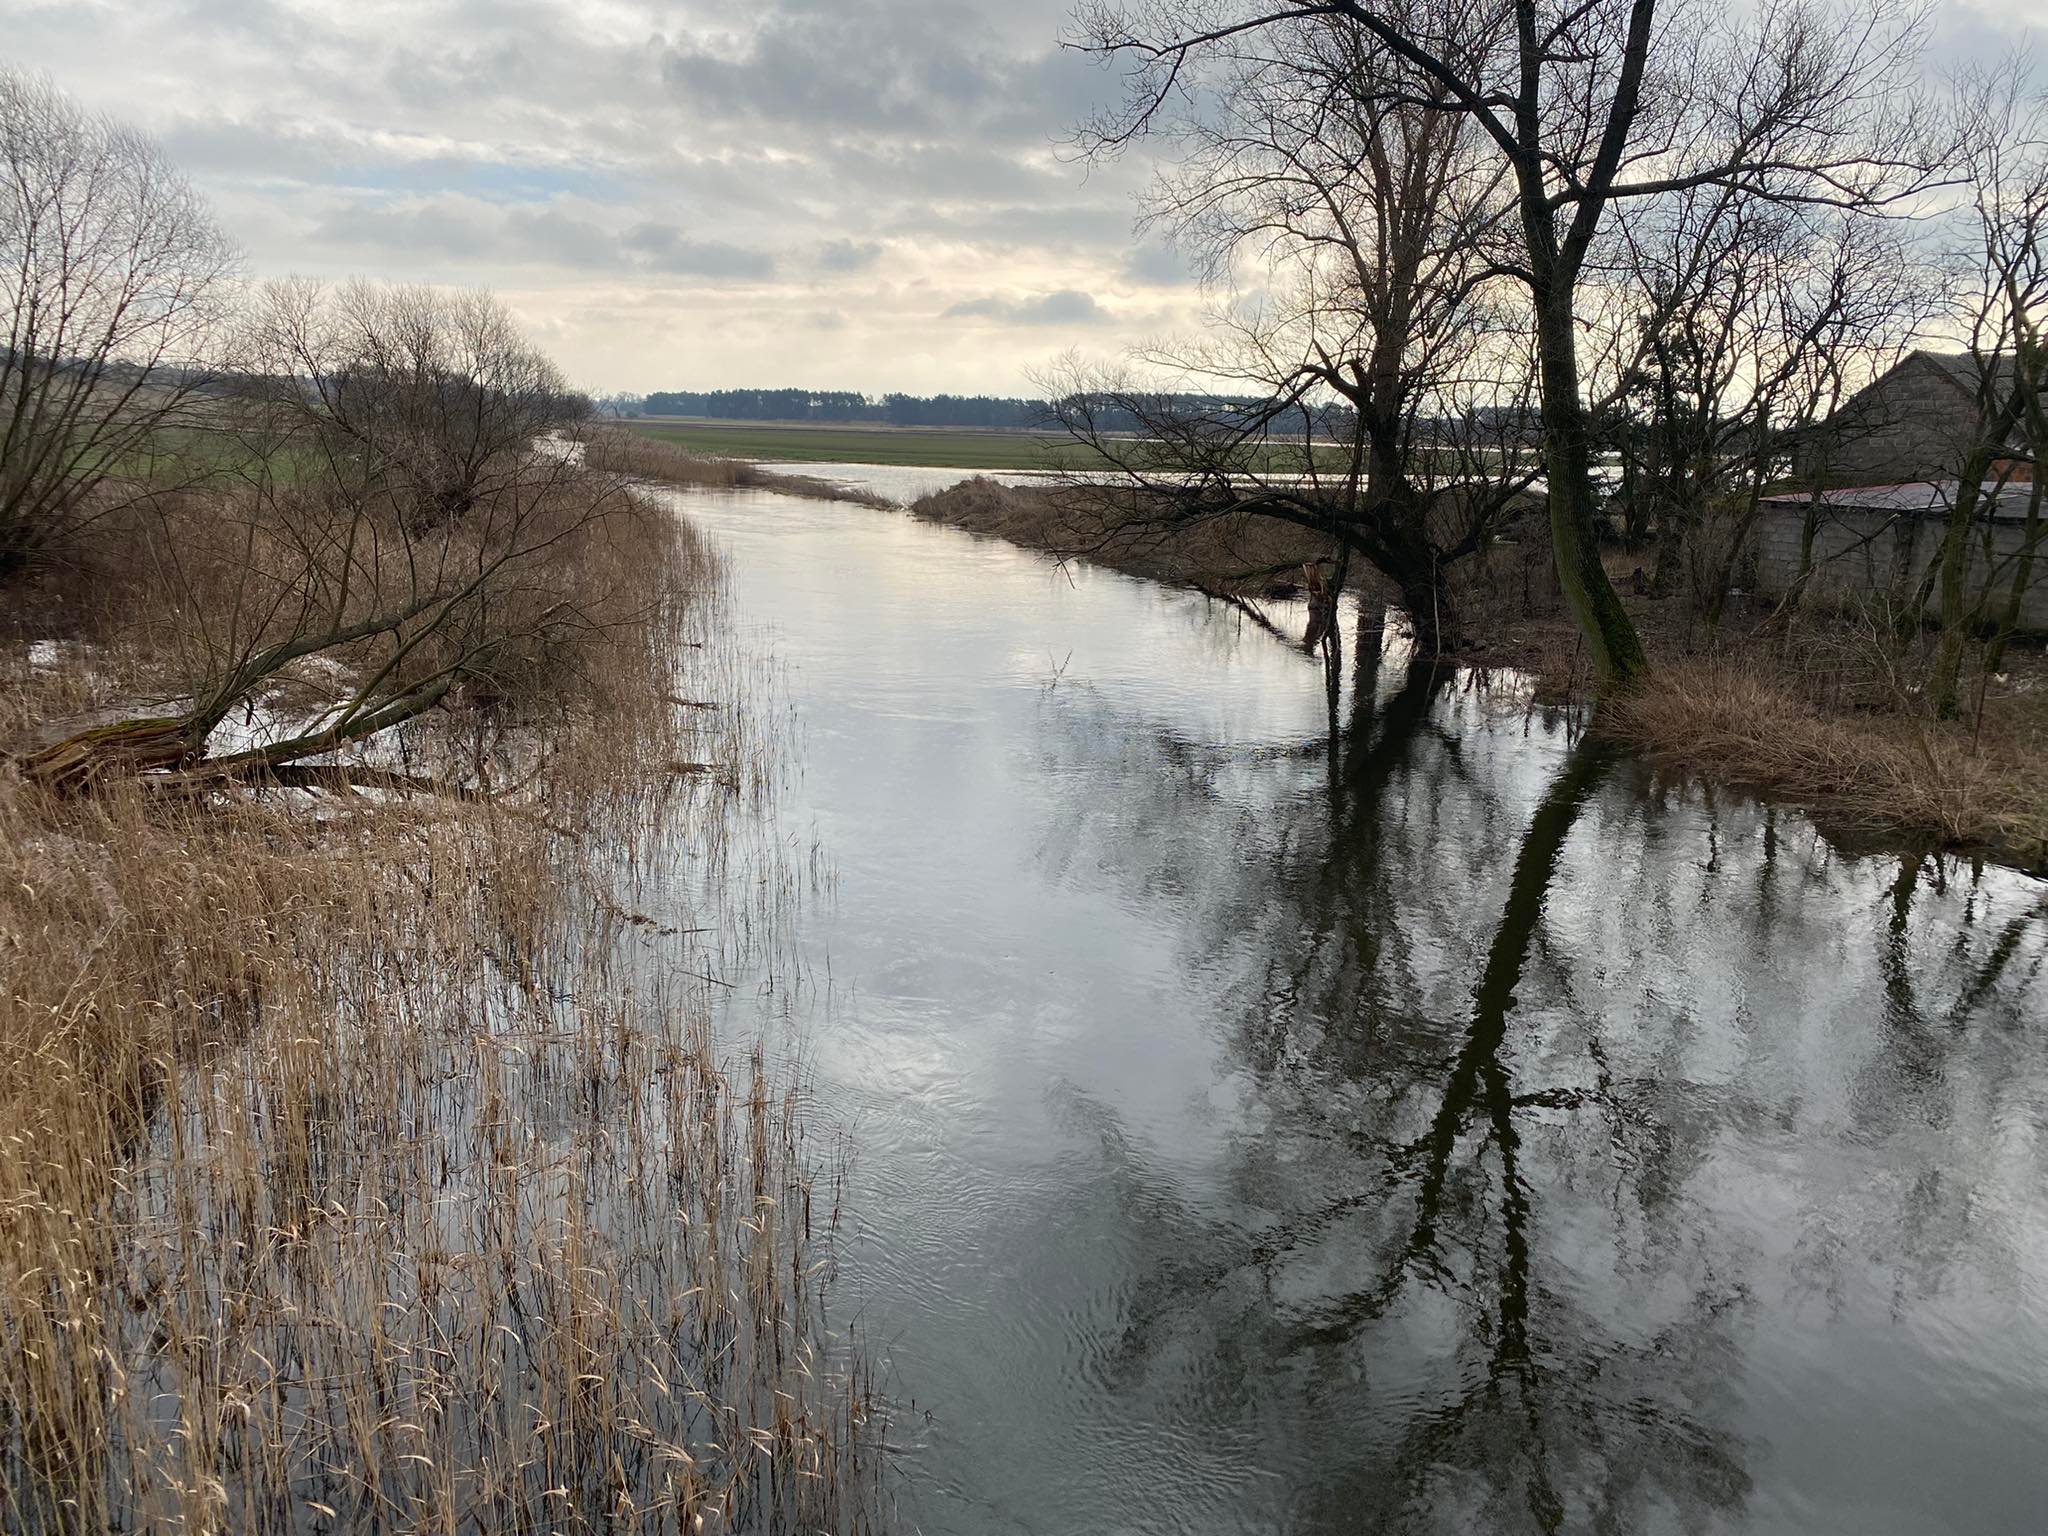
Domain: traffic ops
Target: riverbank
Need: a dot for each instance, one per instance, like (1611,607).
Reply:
(1245,558)
(965,448)
(1817,710)
(617,451)
(362,1113)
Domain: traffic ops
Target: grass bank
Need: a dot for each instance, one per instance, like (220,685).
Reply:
(937,447)
(617,451)
(1243,557)
(791,442)
(371,1164)
(1737,717)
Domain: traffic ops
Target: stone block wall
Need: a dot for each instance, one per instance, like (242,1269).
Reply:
(1912,424)
(1869,552)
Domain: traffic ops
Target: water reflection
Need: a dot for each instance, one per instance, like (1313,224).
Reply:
(1331,1097)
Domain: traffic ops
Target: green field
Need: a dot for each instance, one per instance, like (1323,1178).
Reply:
(787,442)
(791,442)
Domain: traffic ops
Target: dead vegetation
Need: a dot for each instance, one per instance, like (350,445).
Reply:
(1802,723)
(370,1162)
(1239,555)
(617,451)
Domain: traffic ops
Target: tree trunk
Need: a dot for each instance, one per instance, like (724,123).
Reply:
(2022,578)
(1809,534)
(1959,613)
(1618,658)
(1952,565)
(125,748)
(1671,531)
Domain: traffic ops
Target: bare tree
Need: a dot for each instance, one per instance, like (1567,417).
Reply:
(431,394)
(1760,320)
(1590,104)
(115,278)
(412,543)
(2004,289)
(1345,228)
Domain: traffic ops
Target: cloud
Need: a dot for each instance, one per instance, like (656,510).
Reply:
(1065,306)
(1157,264)
(793,186)
(849,255)
(665,248)
(549,235)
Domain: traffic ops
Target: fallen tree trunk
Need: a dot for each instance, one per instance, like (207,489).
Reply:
(122,749)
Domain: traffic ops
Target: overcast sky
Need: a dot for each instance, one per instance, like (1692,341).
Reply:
(862,194)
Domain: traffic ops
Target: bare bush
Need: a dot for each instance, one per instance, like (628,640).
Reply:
(430,397)
(409,546)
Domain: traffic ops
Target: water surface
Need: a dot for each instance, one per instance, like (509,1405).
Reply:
(904,483)
(1286,1102)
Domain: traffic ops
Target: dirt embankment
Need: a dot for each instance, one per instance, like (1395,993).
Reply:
(1241,556)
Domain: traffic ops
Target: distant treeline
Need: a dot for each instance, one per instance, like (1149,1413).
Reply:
(989,412)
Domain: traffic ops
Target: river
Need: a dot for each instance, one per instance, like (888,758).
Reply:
(1279,1105)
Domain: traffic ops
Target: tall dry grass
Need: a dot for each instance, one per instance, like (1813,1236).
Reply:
(616,450)
(1239,555)
(369,1161)
(1890,771)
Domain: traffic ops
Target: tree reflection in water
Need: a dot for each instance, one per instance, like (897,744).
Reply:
(1477,1224)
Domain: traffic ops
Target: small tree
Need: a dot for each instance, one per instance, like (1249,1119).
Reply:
(2004,288)
(1759,320)
(114,278)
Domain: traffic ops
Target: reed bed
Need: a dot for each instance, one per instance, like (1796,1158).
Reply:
(370,1162)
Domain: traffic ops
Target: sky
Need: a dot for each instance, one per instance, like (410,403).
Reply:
(851,194)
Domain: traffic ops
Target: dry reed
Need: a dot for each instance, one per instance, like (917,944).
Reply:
(1892,771)
(619,451)
(1239,555)
(370,1163)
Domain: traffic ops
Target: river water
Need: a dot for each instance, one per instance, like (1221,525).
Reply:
(904,483)
(1292,1103)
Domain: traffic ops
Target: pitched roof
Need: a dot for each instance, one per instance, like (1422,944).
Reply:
(1921,498)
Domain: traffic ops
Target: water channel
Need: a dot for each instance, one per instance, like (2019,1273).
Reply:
(1285,1100)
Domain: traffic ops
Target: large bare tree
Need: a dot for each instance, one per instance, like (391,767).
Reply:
(114,279)
(1589,104)
(1345,230)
